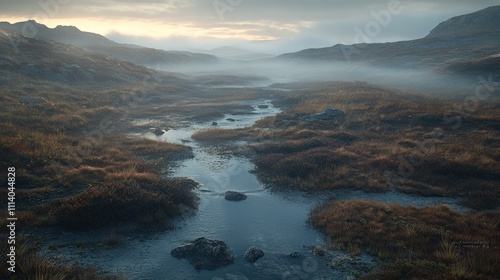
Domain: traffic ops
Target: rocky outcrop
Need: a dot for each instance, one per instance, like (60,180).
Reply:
(205,253)
(253,254)
(234,196)
(327,114)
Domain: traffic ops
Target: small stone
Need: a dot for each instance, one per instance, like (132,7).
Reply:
(253,254)
(234,196)
(158,131)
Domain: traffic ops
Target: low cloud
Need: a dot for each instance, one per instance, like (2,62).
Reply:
(279,26)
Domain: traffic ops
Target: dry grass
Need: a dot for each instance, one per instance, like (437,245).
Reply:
(30,265)
(388,140)
(417,243)
(68,153)
(123,199)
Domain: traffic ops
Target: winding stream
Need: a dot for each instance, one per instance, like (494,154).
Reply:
(272,222)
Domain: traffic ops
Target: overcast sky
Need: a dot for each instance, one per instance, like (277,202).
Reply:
(261,25)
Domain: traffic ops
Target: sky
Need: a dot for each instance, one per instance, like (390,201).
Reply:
(264,26)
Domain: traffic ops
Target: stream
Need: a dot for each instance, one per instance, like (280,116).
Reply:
(273,222)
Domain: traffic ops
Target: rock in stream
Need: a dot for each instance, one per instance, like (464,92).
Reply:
(234,196)
(205,253)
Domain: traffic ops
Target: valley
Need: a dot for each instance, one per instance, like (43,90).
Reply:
(385,166)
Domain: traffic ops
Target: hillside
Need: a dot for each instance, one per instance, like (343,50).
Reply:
(24,58)
(475,35)
(97,43)
(481,22)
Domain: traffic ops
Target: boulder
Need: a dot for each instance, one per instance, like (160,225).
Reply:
(253,254)
(263,106)
(327,114)
(234,196)
(294,254)
(205,253)
(214,124)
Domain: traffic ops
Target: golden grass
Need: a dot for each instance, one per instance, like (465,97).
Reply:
(416,243)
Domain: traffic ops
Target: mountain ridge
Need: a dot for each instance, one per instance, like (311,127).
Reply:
(445,44)
(98,43)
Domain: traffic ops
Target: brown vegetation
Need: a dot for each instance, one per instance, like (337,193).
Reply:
(388,140)
(74,168)
(416,243)
(32,265)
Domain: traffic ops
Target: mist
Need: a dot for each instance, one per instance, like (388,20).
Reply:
(266,72)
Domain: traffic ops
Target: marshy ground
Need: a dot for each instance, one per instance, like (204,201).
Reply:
(424,144)
(76,168)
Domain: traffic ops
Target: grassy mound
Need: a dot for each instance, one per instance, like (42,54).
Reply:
(417,243)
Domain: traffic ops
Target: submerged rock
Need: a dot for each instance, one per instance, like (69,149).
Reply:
(263,106)
(158,131)
(318,251)
(327,114)
(234,196)
(205,253)
(253,254)
(230,119)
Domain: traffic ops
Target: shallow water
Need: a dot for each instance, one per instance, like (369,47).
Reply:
(272,222)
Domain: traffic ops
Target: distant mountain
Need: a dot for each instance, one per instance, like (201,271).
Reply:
(63,34)
(468,37)
(235,53)
(98,43)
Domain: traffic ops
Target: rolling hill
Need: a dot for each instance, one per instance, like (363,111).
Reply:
(97,43)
